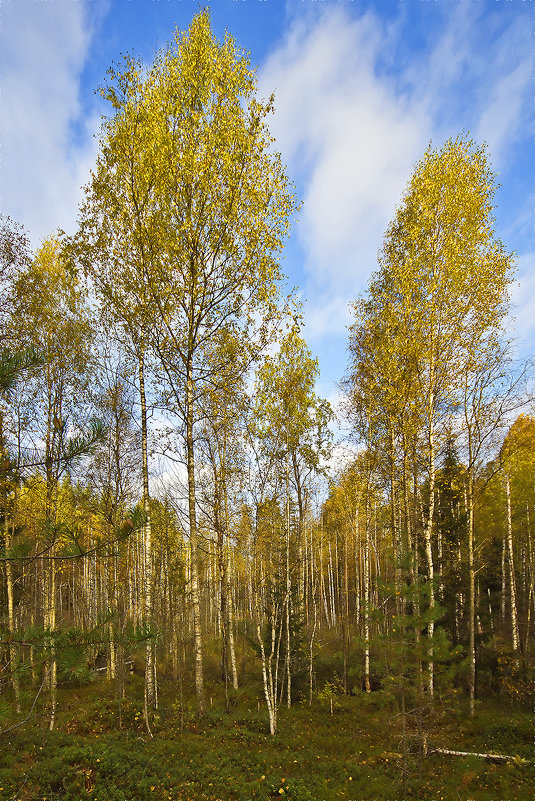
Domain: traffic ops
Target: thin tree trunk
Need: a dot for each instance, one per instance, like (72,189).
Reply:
(223,610)
(270,689)
(367,595)
(503,595)
(51,446)
(416,580)
(9,530)
(11,619)
(195,594)
(531,593)
(429,557)
(230,612)
(471,596)
(345,622)
(288,589)
(311,650)
(149,695)
(512,581)
(394,523)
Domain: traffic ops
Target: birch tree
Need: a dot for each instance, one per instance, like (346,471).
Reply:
(186,215)
(117,245)
(53,320)
(14,256)
(436,299)
(517,458)
(221,446)
(292,422)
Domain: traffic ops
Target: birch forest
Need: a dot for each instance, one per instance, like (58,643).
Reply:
(182,523)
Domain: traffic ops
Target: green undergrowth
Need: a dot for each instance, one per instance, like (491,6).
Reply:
(101,750)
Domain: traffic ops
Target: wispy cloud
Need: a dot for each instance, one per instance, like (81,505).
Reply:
(477,76)
(348,137)
(43,164)
(503,116)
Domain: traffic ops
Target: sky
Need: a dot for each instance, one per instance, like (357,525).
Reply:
(361,89)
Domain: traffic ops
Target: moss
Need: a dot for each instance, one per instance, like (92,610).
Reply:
(355,753)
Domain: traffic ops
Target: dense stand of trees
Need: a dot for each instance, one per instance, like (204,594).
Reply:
(165,499)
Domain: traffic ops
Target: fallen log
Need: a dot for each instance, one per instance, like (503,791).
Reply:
(489,757)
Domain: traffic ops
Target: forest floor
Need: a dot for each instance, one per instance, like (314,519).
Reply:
(355,751)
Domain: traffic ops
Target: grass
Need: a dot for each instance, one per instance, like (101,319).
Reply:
(101,751)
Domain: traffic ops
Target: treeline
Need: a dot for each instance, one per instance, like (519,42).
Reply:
(164,452)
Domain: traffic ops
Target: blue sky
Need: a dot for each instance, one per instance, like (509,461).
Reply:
(361,87)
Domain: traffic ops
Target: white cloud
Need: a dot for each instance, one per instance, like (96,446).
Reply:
(347,135)
(44,47)
(350,135)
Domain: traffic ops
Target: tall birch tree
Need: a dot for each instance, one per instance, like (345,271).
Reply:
(437,299)
(186,215)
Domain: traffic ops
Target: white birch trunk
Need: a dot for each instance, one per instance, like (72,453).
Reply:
(471,597)
(512,581)
(367,597)
(230,607)
(288,591)
(150,695)
(195,593)
(429,557)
